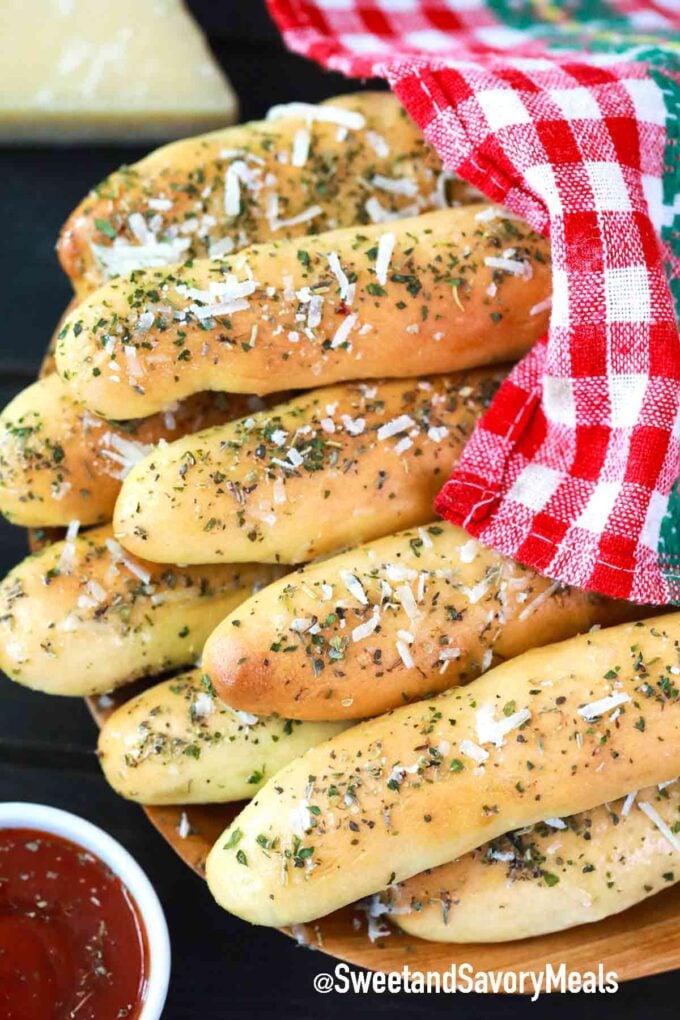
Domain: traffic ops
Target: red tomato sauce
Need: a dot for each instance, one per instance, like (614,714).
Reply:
(72,943)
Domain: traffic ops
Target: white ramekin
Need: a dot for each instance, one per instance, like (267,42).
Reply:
(62,823)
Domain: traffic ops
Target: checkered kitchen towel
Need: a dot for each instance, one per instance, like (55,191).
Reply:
(566,112)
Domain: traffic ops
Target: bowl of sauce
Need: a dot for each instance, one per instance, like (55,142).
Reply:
(82,932)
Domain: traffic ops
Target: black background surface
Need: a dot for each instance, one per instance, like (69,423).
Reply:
(222,968)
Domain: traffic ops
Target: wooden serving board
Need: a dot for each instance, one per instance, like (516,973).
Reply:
(641,941)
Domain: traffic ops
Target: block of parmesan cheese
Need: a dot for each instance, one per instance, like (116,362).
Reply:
(107,70)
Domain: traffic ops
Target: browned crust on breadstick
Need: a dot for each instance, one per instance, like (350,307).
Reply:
(552,732)
(442,292)
(388,623)
(179,189)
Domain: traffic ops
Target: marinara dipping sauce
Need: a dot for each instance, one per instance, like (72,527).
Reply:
(72,943)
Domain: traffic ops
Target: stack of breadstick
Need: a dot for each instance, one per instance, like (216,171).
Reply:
(281,338)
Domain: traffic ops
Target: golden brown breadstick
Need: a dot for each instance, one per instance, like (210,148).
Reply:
(446,291)
(176,743)
(550,733)
(294,174)
(48,364)
(329,469)
(390,622)
(83,616)
(555,875)
(59,462)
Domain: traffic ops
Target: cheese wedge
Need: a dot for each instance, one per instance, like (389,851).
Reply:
(81,69)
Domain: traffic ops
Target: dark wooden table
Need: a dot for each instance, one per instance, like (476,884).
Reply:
(221,967)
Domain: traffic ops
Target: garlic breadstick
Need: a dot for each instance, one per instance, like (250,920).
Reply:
(329,469)
(353,159)
(391,622)
(59,462)
(553,732)
(83,616)
(450,290)
(557,874)
(177,743)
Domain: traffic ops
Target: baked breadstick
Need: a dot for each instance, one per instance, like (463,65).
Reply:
(555,731)
(556,875)
(331,468)
(390,622)
(294,174)
(59,462)
(450,290)
(176,743)
(48,365)
(83,616)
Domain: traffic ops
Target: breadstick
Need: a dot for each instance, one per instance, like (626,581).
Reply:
(388,623)
(176,743)
(446,291)
(59,462)
(550,733)
(560,873)
(273,179)
(329,469)
(83,616)
(48,364)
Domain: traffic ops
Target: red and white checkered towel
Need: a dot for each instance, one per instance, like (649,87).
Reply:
(572,125)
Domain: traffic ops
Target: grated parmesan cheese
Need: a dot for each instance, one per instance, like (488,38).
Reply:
(124,452)
(663,828)
(472,750)
(490,730)
(293,221)
(386,245)
(408,602)
(350,119)
(598,708)
(300,819)
(542,306)
(512,266)
(301,142)
(202,705)
(394,427)
(532,606)
(395,185)
(364,630)
(338,272)
(223,246)
(628,803)
(377,212)
(314,312)
(247,718)
(354,586)
(378,144)
(344,329)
